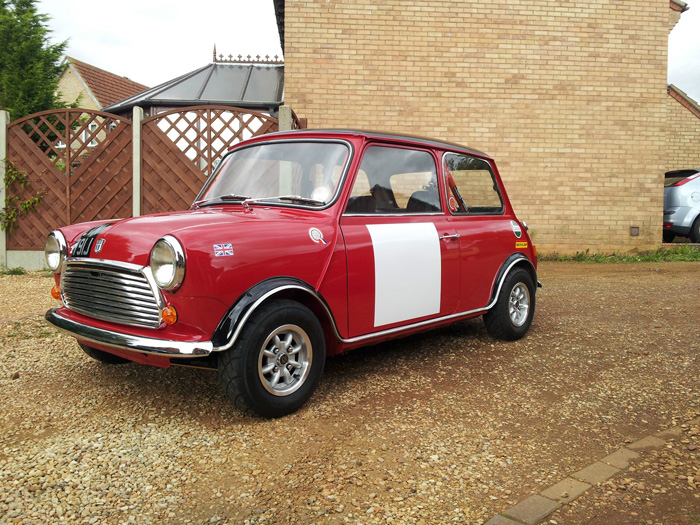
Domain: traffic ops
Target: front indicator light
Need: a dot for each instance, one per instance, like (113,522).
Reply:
(56,292)
(169,315)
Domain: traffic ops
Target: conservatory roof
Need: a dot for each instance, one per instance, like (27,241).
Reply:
(253,85)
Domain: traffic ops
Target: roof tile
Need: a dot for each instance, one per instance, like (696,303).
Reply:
(107,87)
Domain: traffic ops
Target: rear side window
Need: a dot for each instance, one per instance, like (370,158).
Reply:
(672,178)
(395,180)
(471,186)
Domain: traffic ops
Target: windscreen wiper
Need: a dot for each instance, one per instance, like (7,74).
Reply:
(232,197)
(292,198)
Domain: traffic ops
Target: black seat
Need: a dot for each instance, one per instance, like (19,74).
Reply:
(361,204)
(385,200)
(423,201)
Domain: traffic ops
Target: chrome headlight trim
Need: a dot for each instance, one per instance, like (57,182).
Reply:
(167,262)
(55,251)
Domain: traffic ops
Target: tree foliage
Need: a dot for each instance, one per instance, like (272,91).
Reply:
(29,64)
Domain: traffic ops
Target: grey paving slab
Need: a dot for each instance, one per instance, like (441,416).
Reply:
(647,442)
(566,490)
(532,510)
(501,520)
(621,458)
(596,473)
(670,433)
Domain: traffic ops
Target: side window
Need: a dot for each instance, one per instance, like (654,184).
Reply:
(395,180)
(471,186)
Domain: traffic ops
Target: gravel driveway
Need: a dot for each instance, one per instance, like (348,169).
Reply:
(449,426)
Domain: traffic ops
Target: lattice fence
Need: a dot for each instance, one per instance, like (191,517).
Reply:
(180,147)
(79,160)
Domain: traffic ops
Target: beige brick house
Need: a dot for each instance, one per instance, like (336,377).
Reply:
(92,87)
(684,131)
(569,97)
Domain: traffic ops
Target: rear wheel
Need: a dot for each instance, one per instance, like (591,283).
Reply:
(103,357)
(695,231)
(277,361)
(511,316)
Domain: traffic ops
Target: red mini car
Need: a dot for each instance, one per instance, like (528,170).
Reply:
(301,244)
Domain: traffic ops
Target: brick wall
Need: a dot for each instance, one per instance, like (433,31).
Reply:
(569,97)
(70,88)
(684,131)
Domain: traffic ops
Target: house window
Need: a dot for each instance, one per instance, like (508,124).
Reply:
(90,132)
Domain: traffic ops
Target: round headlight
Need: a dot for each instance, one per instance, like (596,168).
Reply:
(55,250)
(168,263)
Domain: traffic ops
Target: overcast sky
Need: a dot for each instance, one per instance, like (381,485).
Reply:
(153,41)
(684,52)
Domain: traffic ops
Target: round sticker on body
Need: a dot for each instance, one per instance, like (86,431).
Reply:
(453,204)
(316,236)
(516,229)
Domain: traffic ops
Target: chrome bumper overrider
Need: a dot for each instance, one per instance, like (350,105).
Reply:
(120,341)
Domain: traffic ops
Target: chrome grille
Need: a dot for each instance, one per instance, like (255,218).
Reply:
(114,292)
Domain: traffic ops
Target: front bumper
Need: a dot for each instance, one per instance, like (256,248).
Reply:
(130,343)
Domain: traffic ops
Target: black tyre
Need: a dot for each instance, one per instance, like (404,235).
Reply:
(277,361)
(103,357)
(511,316)
(695,231)
(669,236)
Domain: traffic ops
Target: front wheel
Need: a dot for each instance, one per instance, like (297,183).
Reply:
(277,361)
(511,316)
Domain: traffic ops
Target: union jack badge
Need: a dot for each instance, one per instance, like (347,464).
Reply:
(222,250)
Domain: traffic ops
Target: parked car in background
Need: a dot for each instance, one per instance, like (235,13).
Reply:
(301,244)
(682,205)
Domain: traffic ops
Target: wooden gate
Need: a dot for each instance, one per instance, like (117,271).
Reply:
(80,161)
(179,148)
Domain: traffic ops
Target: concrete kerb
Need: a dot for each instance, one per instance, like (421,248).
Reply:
(537,508)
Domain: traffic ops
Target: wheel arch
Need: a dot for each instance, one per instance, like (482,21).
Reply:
(515,260)
(232,323)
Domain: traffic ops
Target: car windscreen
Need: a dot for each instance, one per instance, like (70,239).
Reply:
(292,172)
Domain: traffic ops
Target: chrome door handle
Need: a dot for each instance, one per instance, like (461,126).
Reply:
(454,236)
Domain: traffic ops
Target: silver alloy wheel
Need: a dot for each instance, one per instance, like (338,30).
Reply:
(519,304)
(285,360)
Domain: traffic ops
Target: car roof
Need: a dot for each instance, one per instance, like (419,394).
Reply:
(370,135)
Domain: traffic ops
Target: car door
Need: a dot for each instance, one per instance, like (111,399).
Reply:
(486,235)
(402,252)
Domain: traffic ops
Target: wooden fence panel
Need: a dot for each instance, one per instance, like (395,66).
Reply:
(101,187)
(179,148)
(169,180)
(81,162)
(43,175)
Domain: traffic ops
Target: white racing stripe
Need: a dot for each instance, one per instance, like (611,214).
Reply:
(407,271)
